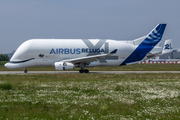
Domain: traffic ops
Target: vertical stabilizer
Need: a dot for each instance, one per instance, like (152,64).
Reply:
(168,47)
(155,35)
(146,45)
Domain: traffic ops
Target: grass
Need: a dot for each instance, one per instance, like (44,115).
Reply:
(133,67)
(5,86)
(90,96)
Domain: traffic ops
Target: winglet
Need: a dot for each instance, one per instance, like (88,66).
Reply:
(114,51)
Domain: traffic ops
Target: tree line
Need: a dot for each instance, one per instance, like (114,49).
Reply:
(4,57)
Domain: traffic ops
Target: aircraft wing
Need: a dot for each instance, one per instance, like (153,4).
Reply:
(89,59)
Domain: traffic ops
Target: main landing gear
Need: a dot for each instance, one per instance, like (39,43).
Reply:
(83,71)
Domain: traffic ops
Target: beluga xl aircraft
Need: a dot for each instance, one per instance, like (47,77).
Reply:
(65,54)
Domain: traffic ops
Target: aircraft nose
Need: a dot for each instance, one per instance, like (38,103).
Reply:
(10,65)
(7,65)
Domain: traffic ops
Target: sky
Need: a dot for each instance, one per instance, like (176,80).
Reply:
(21,20)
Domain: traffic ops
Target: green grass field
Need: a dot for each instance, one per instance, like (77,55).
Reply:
(90,96)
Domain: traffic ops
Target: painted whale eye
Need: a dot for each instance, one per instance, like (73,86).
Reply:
(41,55)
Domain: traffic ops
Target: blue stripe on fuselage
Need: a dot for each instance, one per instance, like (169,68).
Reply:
(138,54)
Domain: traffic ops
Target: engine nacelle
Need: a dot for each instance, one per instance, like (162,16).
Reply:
(63,66)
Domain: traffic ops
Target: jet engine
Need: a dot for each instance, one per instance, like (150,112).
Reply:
(63,66)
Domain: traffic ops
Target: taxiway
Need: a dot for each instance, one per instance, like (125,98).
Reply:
(96,72)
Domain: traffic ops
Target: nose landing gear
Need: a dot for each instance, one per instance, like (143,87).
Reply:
(25,70)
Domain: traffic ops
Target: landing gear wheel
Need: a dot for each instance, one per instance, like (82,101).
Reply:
(86,71)
(83,71)
(25,71)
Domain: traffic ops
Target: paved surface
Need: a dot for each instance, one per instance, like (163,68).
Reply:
(98,72)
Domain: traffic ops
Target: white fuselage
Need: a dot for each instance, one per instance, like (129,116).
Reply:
(45,52)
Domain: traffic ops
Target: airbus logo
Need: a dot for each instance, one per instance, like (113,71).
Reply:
(76,50)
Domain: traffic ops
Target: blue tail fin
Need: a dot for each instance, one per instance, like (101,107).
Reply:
(151,40)
(155,35)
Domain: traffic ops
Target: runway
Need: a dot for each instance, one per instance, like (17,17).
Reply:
(91,72)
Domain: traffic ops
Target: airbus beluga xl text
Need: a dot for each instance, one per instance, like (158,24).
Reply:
(66,54)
